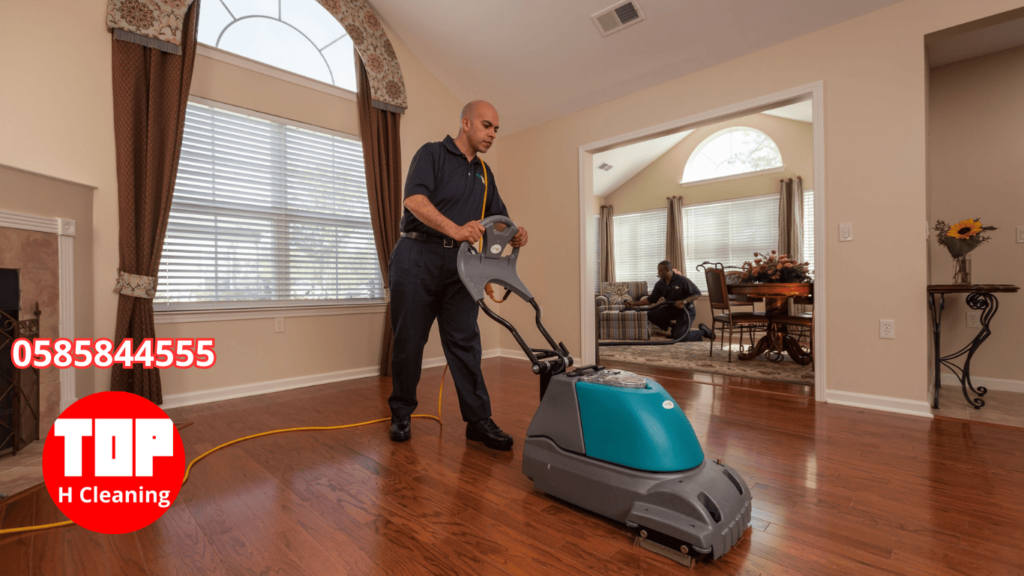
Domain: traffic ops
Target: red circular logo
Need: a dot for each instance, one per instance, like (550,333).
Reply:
(113,462)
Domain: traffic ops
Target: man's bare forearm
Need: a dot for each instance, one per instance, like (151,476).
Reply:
(422,209)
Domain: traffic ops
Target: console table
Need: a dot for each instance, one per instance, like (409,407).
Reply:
(979,297)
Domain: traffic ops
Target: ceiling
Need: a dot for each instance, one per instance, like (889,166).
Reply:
(536,60)
(628,161)
(976,43)
(801,112)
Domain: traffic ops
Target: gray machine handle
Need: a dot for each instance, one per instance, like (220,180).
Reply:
(477,269)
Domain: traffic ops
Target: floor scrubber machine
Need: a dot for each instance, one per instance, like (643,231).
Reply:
(610,441)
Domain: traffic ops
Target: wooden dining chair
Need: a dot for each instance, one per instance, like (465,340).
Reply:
(723,318)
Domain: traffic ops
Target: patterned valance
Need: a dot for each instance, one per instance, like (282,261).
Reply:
(387,88)
(135,285)
(158,23)
(153,23)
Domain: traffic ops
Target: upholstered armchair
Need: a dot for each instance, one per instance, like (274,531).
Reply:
(615,324)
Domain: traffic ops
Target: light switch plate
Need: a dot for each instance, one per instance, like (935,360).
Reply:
(846,232)
(1020,234)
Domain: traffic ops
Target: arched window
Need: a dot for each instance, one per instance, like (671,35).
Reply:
(732,151)
(299,36)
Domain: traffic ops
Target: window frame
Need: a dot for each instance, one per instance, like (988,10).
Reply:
(184,312)
(215,53)
(707,141)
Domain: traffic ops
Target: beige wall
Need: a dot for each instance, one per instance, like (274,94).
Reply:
(874,108)
(975,126)
(652,185)
(57,118)
(30,193)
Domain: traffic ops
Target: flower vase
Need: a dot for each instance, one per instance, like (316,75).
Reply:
(961,270)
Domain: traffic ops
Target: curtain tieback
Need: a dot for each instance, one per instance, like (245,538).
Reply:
(135,285)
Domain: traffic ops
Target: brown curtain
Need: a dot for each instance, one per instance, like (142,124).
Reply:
(791,218)
(150,94)
(382,154)
(674,249)
(606,272)
(791,226)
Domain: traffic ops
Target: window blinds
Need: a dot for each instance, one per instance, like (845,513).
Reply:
(639,245)
(266,214)
(728,232)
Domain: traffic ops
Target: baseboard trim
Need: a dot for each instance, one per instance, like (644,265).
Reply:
(511,353)
(990,383)
(883,403)
(257,388)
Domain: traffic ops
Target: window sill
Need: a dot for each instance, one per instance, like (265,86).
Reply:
(733,177)
(185,317)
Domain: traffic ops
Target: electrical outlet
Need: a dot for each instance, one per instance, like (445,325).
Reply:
(278,324)
(846,232)
(1020,234)
(974,319)
(886,328)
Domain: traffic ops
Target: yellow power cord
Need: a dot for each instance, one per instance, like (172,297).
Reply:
(490,292)
(236,441)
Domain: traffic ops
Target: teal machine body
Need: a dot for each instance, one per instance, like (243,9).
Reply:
(610,441)
(640,428)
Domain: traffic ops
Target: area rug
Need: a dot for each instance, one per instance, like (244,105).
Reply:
(693,356)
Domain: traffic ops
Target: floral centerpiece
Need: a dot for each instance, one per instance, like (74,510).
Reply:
(960,239)
(775,268)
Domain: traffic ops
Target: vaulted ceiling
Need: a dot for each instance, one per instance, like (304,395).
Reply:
(536,60)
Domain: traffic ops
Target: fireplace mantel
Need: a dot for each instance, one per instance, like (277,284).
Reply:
(65,231)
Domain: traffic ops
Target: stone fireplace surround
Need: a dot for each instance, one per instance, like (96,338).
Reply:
(42,249)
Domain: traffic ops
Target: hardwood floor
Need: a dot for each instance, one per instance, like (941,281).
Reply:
(837,490)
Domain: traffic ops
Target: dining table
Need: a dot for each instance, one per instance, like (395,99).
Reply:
(777,341)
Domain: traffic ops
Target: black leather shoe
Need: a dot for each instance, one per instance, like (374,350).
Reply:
(708,332)
(487,431)
(401,429)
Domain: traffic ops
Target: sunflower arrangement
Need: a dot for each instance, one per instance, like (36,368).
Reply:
(772,268)
(963,236)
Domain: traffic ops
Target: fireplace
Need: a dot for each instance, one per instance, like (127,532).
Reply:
(19,388)
(30,281)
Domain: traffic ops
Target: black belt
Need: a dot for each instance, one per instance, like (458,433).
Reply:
(446,242)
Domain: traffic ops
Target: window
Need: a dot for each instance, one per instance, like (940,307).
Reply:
(266,214)
(729,232)
(639,245)
(808,248)
(595,249)
(299,36)
(730,152)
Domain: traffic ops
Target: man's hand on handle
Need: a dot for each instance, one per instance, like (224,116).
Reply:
(520,239)
(469,232)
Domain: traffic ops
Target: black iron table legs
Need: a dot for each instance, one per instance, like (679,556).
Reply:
(988,304)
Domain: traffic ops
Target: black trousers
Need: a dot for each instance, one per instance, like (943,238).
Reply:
(425,285)
(663,316)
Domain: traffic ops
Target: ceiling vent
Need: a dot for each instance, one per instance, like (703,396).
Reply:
(605,166)
(617,17)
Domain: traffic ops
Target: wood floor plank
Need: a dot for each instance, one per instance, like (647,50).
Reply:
(837,490)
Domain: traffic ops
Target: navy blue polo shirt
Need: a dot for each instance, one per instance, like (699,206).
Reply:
(454,185)
(679,287)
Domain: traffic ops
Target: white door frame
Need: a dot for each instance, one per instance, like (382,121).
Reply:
(586,156)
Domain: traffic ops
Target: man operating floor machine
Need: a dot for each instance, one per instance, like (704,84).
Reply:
(614,442)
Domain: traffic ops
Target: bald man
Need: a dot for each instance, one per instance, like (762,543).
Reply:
(447,189)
